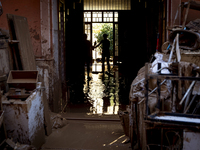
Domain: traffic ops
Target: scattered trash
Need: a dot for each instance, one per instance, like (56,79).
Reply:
(18,146)
(165,94)
(57,121)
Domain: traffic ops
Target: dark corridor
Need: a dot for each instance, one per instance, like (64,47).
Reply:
(102,95)
(137,31)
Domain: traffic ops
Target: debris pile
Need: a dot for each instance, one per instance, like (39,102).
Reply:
(23,104)
(57,121)
(18,146)
(165,94)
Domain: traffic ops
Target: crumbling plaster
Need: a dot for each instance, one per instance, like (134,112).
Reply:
(42,16)
(30,10)
(48,66)
(24,120)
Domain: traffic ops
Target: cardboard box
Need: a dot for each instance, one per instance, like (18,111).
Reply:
(23,79)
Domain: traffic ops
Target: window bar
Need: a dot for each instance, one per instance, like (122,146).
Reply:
(106,8)
(91,2)
(113,40)
(122,5)
(126,4)
(96,5)
(102,16)
(118,3)
(113,18)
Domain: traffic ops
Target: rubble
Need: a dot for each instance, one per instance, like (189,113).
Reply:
(18,146)
(57,121)
(164,96)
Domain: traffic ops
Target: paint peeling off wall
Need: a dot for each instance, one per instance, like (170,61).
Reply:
(43,73)
(24,120)
(15,118)
(45,7)
(46,82)
(49,77)
(36,119)
(191,140)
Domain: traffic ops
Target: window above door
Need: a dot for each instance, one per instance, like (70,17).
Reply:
(101,16)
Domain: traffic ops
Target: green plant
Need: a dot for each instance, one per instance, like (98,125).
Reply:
(106,28)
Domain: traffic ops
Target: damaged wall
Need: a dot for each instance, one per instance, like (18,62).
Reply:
(42,16)
(24,120)
(48,63)
(30,10)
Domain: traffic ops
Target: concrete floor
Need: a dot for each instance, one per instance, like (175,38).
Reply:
(94,123)
(88,135)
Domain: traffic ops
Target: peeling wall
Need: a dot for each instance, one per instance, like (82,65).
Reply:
(42,16)
(45,19)
(24,120)
(51,82)
(29,9)
(191,140)
(48,66)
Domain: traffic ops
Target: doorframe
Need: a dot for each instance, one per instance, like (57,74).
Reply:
(113,22)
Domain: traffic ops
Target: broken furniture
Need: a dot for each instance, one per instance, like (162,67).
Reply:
(188,40)
(167,121)
(167,92)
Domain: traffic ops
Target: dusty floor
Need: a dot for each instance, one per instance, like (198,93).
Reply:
(92,115)
(88,135)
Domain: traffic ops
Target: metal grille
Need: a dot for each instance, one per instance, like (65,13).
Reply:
(108,16)
(97,16)
(87,31)
(87,17)
(107,4)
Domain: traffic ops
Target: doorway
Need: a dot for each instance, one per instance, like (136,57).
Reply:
(96,24)
(99,22)
(98,29)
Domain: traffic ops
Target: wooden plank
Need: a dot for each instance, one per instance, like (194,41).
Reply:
(25,46)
